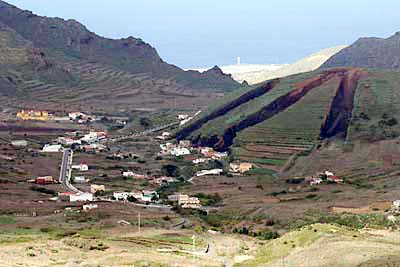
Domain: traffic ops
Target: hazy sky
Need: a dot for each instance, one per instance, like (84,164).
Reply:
(202,33)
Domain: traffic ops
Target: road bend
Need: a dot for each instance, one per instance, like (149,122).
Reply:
(66,171)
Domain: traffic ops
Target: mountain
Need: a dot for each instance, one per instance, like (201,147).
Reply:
(257,73)
(71,60)
(245,72)
(283,122)
(377,53)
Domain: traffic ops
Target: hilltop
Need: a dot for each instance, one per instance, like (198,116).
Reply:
(51,60)
(378,53)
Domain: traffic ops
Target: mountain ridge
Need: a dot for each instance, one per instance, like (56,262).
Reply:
(70,60)
(369,52)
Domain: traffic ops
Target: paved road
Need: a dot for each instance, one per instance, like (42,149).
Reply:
(144,133)
(65,171)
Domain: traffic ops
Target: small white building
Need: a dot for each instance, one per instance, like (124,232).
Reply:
(81,167)
(180,151)
(80,179)
(200,160)
(316,181)
(88,207)
(328,173)
(396,205)
(75,115)
(127,174)
(121,195)
(19,143)
(183,116)
(68,141)
(81,197)
(51,148)
(209,172)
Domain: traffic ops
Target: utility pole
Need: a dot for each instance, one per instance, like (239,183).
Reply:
(139,222)
(194,246)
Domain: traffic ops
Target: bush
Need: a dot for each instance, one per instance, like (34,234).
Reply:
(170,170)
(209,200)
(43,190)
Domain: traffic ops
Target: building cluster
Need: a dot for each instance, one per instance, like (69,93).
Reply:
(327,176)
(90,142)
(185,201)
(177,150)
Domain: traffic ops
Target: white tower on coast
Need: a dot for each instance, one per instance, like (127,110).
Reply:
(238,60)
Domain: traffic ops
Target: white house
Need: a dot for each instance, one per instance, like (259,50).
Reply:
(81,197)
(81,167)
(200,160)
(51,148)
(121,195)
(68,141)
(80,179)
(396,204)
(20,143)
(209,172)
(127,174)
(92,137)
(180,151)
(88,207)
(316,181)
(183,116)
(164,136)
(75,115)
(328,173)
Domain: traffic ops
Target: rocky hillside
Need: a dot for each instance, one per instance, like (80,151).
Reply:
(376,53)
(64,54)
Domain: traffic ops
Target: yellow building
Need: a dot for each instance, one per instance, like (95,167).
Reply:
(34,115)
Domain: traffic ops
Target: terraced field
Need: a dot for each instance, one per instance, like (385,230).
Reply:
(273,142)
(377,107)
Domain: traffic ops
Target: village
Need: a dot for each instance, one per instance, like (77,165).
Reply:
(98,142)
(205,160)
